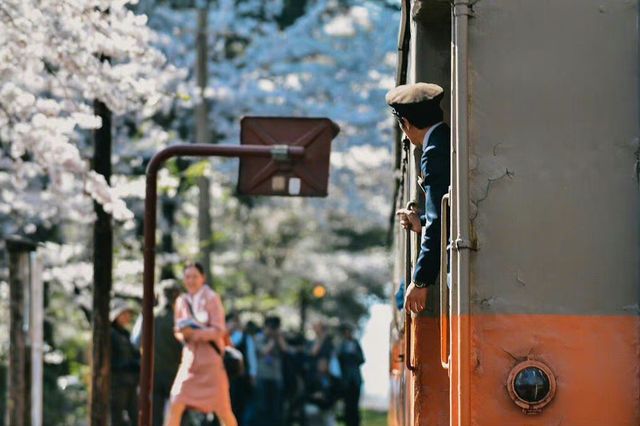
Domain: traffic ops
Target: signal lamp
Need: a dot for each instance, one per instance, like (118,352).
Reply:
(319,291)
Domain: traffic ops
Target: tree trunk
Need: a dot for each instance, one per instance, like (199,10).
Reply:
(102,280)
(202,136)
(18,404)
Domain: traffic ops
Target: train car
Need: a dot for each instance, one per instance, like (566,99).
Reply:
(539,324)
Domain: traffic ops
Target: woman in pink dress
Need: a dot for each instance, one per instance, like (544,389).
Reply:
(201,383)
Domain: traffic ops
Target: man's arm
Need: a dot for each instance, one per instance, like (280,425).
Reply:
(436,171)
(435,165)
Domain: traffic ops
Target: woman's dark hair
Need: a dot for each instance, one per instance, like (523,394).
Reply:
(196,265)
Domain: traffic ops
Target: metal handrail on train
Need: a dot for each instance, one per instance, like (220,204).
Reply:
(407,342)
(444,288)
(408,320)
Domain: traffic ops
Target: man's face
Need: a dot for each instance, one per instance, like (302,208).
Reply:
(412,132)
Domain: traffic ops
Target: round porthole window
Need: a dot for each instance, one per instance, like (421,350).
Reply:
(531,385)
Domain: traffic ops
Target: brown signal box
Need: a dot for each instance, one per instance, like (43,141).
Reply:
(282,173)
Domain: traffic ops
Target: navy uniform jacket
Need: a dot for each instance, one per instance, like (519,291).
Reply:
(435,166)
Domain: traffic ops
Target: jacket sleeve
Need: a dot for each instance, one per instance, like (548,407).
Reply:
(435,168)
(116,356)
(361,358)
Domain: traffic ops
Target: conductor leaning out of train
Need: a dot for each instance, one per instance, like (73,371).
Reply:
(417,108)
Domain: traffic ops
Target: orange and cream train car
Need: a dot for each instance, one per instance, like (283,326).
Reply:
(538,323)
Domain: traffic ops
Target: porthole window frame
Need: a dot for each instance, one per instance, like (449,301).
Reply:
(527,407)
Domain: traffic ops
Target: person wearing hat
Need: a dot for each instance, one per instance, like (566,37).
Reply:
(417,109)
(125,366)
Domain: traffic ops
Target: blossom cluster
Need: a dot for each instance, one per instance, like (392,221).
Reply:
(57,57)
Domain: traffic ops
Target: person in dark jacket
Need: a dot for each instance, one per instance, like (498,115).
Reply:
(167,350)
(270,347)
(242,387)
(125,367)
(294,372)
(351,358)
(323,344)
(417,108)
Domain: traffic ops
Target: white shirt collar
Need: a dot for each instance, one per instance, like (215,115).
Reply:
(195,298)
(431,129)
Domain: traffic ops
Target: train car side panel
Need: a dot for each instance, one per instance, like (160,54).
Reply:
(555,207)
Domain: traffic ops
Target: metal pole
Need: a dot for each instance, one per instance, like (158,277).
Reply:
(462,243)
(150,207)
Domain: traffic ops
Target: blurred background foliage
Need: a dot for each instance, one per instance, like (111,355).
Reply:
(330,58)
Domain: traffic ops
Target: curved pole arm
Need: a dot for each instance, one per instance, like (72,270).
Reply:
(150,207)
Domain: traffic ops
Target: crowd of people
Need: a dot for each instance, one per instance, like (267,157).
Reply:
(286,379)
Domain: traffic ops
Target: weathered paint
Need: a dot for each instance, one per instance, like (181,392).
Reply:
(554,136)
(595,360)
(554,102)
(431,380)
(397,389)
(558,235)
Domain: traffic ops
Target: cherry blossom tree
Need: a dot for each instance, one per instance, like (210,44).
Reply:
(335,60)
(331,58)
(53,68)
(51,71)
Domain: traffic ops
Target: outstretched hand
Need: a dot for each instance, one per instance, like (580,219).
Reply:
(416,298)
(409,219)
